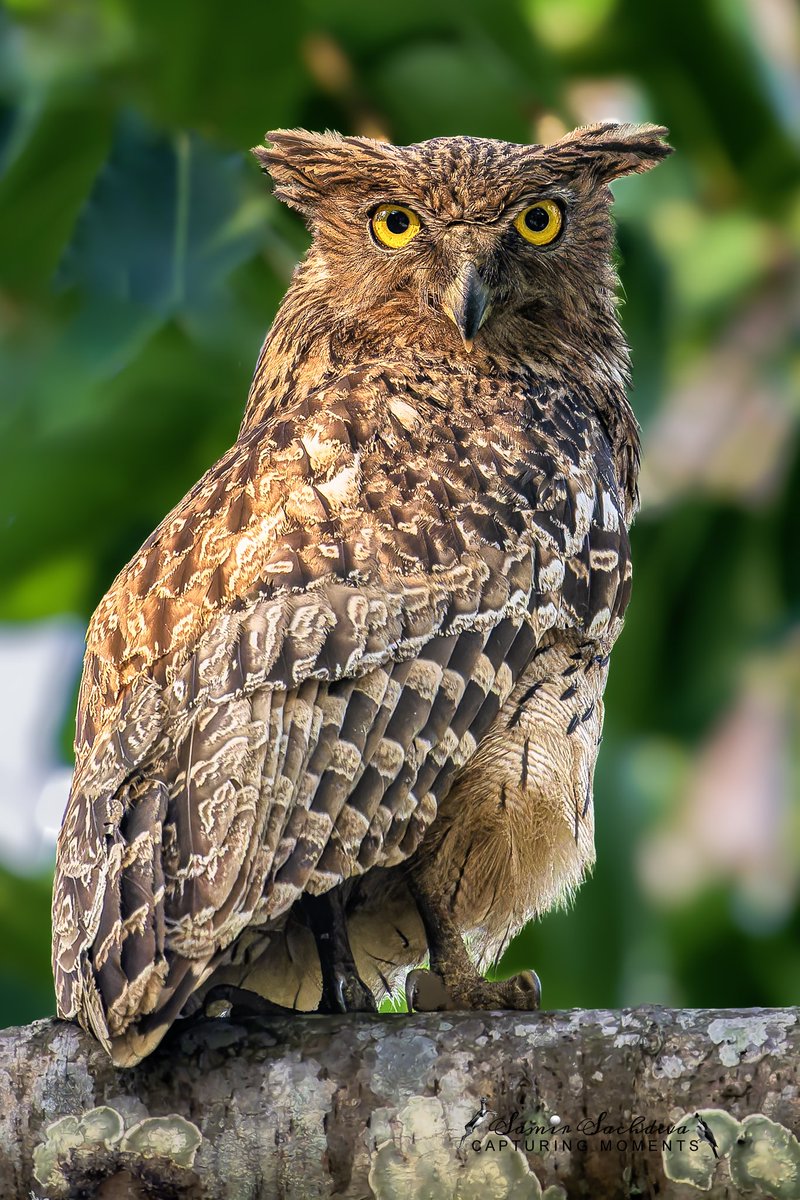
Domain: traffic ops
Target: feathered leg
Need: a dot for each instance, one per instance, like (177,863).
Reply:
(453,981)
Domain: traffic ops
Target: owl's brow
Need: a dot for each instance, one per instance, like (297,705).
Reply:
(510,207)
(493,218)
(447,211)
(481,220)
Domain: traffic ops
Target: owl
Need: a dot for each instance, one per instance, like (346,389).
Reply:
(340,714)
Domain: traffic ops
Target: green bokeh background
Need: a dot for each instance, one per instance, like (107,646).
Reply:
(142,259)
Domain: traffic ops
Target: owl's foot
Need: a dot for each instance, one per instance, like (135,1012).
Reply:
(342,989)
(453,982)
(426,991)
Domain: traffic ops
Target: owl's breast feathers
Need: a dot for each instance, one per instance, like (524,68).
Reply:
(337,537)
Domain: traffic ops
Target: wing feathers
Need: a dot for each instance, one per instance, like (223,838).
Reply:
(292,669)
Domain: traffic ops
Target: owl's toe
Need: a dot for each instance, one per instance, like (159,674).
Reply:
(426,992)
(523,991)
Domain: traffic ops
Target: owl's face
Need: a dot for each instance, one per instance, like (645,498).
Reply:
(455,236)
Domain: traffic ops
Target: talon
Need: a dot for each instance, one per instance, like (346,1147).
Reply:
(347,994)
(359,998)
(527,988)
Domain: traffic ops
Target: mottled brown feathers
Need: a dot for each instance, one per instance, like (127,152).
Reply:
(393,596)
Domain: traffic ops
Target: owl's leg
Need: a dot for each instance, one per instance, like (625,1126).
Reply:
(342,988)
(453,982)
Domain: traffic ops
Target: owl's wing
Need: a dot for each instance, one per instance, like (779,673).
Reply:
(306,645)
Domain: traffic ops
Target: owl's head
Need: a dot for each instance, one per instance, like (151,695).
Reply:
(459,237)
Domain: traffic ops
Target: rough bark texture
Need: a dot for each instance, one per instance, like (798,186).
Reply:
(376,1106)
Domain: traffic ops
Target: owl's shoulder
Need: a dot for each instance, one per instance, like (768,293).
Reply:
(314,491)
(414,481)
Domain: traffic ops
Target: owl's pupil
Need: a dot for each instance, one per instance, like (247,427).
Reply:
(397,221)
(537,219)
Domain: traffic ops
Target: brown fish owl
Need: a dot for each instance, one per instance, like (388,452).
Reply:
(343,706)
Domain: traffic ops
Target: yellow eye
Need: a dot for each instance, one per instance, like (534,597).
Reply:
(541,223)
(394,225)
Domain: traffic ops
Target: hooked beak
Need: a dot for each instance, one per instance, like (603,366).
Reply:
(467,303)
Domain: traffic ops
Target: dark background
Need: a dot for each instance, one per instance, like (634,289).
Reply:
(141,261)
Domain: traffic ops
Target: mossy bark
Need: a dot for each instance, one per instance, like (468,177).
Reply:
(376,1106)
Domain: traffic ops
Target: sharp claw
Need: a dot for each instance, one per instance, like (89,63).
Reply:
(528,981)
(346,994)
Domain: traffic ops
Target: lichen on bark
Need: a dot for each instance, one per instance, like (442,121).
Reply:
(541,1105)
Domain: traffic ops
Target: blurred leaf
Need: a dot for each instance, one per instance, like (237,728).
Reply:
(45,186)
(428,90)
(26,987)
(570,23)
(228,70)
(167,219)
(60,584)
(715,257)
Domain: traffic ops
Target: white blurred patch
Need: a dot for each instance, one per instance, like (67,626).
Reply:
(727,427)
(736,820)
(39,666)
(608,99)
(776,26)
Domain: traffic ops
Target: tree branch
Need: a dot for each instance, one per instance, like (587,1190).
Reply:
(365,1106)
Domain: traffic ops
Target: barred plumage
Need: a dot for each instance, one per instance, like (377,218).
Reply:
(373,639)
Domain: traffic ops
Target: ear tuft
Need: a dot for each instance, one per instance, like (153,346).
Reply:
(297,160)
(306,167)
(610,149)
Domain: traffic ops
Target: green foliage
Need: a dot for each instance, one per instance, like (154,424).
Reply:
(142,260)
(26,983)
